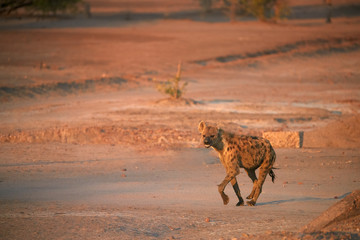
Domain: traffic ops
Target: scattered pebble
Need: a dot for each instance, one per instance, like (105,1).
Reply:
(207,219)
(123,175)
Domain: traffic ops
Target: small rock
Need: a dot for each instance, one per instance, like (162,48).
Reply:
(207,219)
(123,175)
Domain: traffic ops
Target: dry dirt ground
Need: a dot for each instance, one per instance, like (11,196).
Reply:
(90,150)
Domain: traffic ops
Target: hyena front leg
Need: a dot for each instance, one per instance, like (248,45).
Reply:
(231,174)
(237,192)
(221,188)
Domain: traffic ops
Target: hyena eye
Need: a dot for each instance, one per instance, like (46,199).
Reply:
(203,136)
(212,136)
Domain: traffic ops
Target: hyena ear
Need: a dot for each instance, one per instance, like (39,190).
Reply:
(201,127)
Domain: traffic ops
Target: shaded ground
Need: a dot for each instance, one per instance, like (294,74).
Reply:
(88,152)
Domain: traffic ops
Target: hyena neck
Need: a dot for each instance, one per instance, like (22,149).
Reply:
(219,144)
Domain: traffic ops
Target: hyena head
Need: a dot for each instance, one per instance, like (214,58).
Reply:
(209,134)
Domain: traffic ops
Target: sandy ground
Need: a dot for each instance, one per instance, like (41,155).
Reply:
(88,151)
(102,192)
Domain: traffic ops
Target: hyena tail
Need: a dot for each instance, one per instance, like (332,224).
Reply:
(272,175)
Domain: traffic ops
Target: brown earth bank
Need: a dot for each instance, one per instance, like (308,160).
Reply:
(346,212)
(90,150)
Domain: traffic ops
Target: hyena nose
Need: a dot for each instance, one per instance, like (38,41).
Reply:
(206,141)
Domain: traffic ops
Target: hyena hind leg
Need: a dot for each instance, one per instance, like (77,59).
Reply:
(252,176)
(258,186)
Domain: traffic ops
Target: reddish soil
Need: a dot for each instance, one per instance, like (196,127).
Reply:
(91,150)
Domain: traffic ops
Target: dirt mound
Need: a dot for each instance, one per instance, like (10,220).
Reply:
(342,216)
(284,139)
(61,88)
(344,133)
(142,137)
(176,102)
(309,48)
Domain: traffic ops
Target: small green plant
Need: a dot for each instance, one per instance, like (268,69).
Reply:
(172,86)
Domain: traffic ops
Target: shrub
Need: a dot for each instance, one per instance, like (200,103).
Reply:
(43,6)
(54,6)
(266,9)
(172,86)
(263,10)
(206,5)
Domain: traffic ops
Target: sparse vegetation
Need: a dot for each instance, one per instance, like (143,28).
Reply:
(173,87)
(264,10)
(45,7)
(206,5)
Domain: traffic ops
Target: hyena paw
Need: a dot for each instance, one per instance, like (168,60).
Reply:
(240,203)
(251,203)
(225,198)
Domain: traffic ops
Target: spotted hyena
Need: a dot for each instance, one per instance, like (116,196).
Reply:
(239,151)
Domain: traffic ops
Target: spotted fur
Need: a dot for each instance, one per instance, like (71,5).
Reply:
(240,151)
